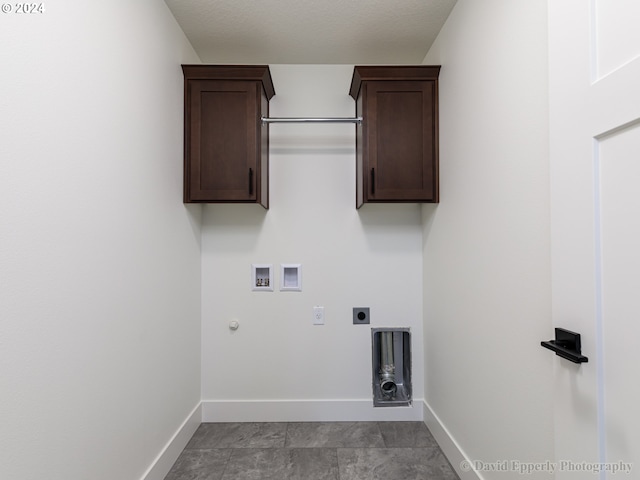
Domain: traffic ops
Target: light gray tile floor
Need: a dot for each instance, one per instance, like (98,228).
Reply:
(312,451)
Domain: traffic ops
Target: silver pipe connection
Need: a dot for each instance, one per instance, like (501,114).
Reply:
(387,374)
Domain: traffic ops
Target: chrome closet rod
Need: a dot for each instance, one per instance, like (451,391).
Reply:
(310,120)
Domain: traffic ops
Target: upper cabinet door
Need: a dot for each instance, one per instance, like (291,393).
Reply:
(226,144)
(397,143)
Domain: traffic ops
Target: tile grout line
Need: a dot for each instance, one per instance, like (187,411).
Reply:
(226,464)
(286,434)
(384,442)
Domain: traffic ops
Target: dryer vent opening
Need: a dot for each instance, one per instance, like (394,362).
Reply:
(391,366)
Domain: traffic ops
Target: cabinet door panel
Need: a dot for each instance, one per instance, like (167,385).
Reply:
(401,140)
(223,140)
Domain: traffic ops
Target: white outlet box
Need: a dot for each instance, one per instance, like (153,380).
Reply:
(291,277)
(318,315)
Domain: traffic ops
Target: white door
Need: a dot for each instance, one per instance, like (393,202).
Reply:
(594,49)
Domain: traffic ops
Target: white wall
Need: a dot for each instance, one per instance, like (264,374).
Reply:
(278,365)
(486,245)
(99,258)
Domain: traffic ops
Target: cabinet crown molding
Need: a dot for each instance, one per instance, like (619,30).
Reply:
(258,73)
(394,72)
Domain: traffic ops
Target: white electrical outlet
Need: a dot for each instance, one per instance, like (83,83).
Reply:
(318,315)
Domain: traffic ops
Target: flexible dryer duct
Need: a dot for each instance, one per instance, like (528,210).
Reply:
(387,374)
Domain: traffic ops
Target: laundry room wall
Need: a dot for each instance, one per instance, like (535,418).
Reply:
(486,251)
(278,365)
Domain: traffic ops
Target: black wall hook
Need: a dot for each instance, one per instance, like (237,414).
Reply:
(567,345)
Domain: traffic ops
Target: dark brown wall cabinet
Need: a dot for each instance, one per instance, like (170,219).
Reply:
(226,146)
(397,142)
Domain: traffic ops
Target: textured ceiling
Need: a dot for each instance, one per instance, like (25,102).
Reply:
(311,31)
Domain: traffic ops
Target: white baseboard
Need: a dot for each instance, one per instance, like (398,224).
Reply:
(452,450)
(169,454)
(307,411)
